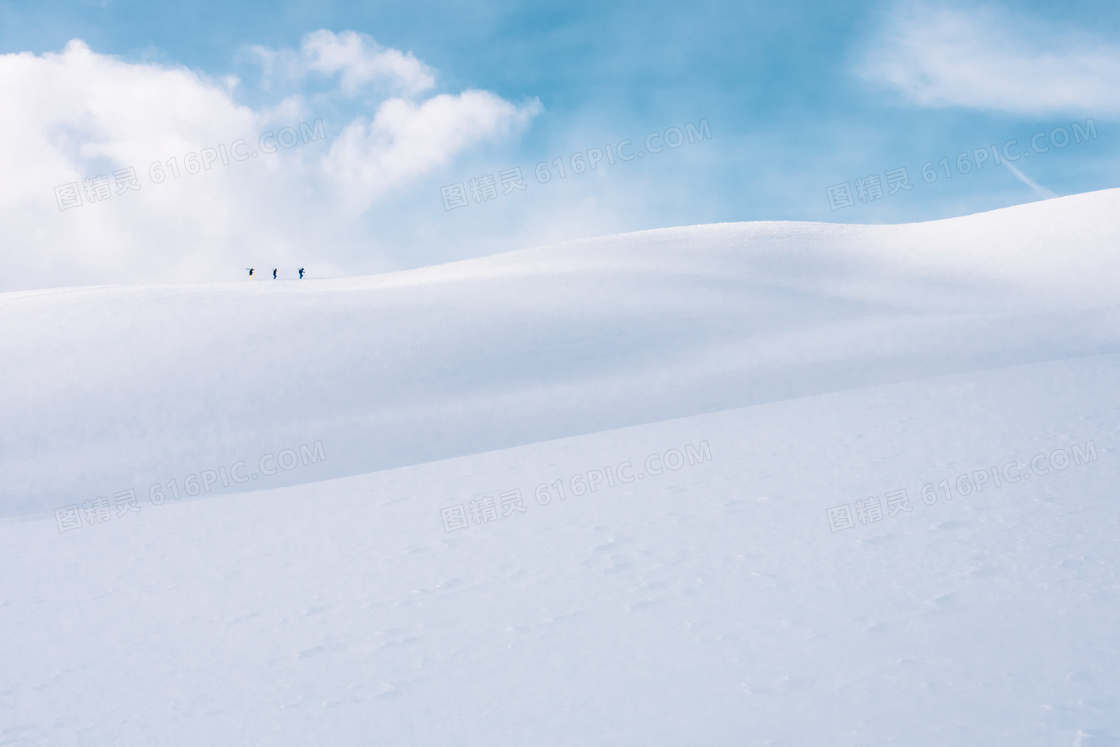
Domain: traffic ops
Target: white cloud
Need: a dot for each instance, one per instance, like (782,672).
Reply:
(360,60)
(403,137)
(989,60)
(357,60)
(77,114)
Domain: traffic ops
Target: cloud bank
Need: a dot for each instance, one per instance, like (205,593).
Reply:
(988,60)
(133,172)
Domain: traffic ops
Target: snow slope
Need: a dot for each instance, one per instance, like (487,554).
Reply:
(105,387)
(792,368)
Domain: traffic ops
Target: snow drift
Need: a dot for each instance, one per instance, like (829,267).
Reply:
(112,386)
(808,484)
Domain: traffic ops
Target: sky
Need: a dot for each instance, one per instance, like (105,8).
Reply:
(158,143)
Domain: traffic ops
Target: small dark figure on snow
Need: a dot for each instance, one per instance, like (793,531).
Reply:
(301,273)
(274,274)
(250,273)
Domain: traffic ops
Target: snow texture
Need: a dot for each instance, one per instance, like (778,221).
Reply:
(747,401)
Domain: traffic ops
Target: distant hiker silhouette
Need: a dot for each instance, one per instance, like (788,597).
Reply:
(301,273)
(250,273)
(274,274)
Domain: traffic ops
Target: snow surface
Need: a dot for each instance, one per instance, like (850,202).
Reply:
(818,365)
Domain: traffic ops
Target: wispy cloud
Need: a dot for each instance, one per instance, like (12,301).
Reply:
(358,61)
(1038,189)
(990,60)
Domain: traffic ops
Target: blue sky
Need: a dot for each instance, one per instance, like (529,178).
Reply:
(799,96)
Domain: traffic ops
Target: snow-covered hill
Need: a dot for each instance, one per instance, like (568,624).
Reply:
(428,562)
(111,386)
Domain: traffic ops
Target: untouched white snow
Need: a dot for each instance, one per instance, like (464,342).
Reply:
(817,365)
(108,387)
